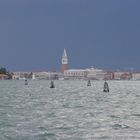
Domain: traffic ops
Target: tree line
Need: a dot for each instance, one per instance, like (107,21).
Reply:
(6,72)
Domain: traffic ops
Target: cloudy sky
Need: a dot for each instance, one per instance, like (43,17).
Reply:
(100,33)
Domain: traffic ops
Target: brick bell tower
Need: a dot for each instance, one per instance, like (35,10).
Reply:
(64,61)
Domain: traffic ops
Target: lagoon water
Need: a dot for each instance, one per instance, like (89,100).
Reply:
(71,111)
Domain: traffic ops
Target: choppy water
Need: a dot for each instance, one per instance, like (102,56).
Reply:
(71,111)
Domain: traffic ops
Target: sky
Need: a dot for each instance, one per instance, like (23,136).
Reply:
(100,33)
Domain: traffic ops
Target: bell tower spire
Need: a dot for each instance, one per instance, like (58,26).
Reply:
(64,61)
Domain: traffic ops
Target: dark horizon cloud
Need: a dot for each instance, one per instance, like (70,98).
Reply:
(104,34)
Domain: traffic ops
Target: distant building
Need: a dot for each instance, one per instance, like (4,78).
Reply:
(91,73)
(75,74)
(101,76)
(117,75)
(64,61)
(122,75)
(109,75)
(136,76)
(126,76)
(46,75)
(21,75)
(95,74)
(3,77)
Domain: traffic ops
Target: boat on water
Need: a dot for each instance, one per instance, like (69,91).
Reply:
(89,83)
(52,84)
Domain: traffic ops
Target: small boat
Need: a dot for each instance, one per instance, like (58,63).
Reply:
(52,84)
(89,83)
(106,87)
(26,82)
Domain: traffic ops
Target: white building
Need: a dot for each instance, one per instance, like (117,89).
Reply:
(45,75)
(122,75)
(93,73)
(75,74)
(136,76)
(90,73)
(36,75)
(21,75)
(117,75)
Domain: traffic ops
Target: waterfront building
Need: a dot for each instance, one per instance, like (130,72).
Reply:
(64,61)
(46,75)
(126,76)
(109,75)
(39,75)
(122,75)
(3,77)
(95,74)
(21,75)
(101,75)
(117,75)
(75,74)
(136,76)
(91,73)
